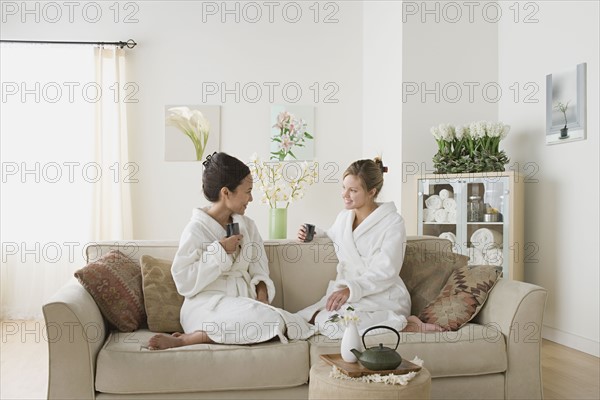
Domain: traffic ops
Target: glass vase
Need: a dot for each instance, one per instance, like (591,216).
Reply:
(277,223)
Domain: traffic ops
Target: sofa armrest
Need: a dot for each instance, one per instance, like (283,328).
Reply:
(76,331)
(517,310)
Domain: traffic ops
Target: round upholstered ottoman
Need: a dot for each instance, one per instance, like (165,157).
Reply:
(322,386)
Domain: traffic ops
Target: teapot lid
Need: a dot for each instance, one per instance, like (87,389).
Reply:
(381,348)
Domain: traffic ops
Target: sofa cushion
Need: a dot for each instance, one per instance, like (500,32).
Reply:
(428,262)
(125,365)
(461,299)
(115,282)
(296,261)
(161,299)
(472,350)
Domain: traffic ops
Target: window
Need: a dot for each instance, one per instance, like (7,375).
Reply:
(52,148)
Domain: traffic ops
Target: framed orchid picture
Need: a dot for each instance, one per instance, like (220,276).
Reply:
(566,105)
(292,133)
(191,132)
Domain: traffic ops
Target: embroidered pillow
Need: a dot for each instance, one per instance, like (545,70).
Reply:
(115,283)
(461,298)
(162,301)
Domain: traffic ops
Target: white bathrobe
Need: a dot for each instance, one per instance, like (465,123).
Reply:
(370,259)
(220,288)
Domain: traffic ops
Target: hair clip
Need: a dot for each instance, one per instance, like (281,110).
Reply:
(208,158)
(384,169)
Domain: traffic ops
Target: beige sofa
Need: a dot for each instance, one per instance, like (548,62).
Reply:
(496,355)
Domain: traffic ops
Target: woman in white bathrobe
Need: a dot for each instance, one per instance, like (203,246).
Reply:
(370,240)
(225,280)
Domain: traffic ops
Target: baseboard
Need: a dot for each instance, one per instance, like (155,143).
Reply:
(570,340)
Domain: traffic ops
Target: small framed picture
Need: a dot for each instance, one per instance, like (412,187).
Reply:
(566,105)
(292,132)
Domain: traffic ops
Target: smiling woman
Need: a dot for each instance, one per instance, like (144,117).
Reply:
(58,172)
(225,278)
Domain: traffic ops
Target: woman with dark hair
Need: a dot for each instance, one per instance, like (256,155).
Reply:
(370,241)
(225,278)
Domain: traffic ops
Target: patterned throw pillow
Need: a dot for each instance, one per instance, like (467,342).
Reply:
(461,298)
(428,263)
(115,283)
(162,301)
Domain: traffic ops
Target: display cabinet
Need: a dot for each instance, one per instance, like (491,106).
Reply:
(480,213)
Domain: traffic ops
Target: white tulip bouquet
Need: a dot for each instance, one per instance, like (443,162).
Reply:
(474,147)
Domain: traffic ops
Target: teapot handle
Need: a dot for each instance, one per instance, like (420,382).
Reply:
(378,327)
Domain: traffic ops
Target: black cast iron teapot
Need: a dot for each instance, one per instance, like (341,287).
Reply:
(379,358)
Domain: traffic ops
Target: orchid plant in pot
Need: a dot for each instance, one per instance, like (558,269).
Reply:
(282,183)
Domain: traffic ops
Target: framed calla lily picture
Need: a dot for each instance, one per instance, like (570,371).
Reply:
(191,132)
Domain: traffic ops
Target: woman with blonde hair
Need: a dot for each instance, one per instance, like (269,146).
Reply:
(370,240)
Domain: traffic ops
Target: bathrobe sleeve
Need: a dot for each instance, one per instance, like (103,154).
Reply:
(258,264)
(198,263)
(382,268)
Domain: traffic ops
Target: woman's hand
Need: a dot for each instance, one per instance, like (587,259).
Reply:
(337,299)
(232,243)
(302,233)
(261,293)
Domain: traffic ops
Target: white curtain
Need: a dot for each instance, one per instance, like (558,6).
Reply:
(112,198)
(64,167)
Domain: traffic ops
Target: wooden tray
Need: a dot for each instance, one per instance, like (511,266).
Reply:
(356,369)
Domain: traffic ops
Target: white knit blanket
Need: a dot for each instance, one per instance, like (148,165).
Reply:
(390,379)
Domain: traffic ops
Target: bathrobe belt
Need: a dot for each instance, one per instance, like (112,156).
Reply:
(237,282)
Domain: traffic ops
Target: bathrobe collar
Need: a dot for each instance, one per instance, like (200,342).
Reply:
(382,211)
(202,216)
(350,237)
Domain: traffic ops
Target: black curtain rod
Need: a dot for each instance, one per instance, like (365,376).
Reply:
(130,44)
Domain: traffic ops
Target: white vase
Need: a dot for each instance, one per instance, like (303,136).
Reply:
(350,340)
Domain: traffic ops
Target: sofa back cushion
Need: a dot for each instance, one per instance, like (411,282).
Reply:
(428,262)
(300,271)
(133,249)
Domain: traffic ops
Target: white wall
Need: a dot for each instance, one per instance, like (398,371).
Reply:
(382,92)
(173,63)
(561,209)
(561,194)
(177,52)
(441,61)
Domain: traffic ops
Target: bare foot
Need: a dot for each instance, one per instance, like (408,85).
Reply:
(416,325)
(162,341)
(177,339)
